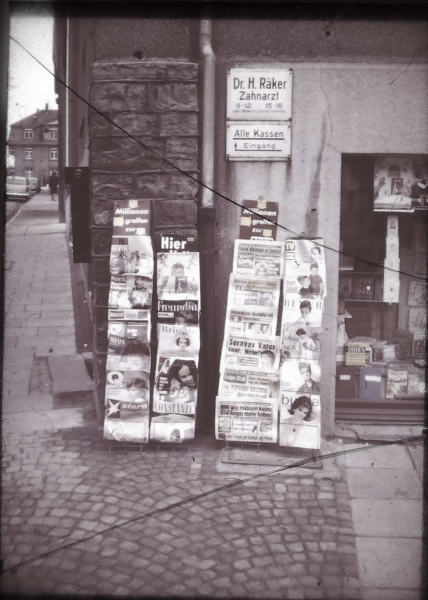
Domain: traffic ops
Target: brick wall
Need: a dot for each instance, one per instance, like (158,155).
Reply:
(158,104)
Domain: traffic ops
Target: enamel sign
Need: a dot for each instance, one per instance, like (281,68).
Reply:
(254,140)
(259,94)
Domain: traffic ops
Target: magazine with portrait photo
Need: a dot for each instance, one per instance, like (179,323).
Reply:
(176,385)
(178,276)
(299,420)
(305,271)
(178,340)
(301,376)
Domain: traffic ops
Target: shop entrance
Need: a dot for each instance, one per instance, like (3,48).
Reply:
(380,374)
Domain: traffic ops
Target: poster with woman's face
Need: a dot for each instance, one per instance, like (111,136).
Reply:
(301,376)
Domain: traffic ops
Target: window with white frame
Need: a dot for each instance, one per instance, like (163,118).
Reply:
(28,134)
(54,134)
(53,154)
(28,153)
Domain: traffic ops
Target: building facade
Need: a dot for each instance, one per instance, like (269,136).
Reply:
(359,95)
(33,142)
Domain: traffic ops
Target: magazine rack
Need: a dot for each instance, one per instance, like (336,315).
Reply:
(126,447)
(173,447)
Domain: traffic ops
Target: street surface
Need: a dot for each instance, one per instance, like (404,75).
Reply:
(78,518)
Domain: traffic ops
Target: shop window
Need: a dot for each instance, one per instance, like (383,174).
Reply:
(380,373)
(53,154)
(28,134)
(28,153)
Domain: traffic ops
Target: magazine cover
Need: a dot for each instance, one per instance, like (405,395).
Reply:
(262,259)
(127,417)
(302,376)
(130,315)
(246,420)
(128,338)
(299,421)
(128,380)
(305,272)
(261,354)
(176,340)
(130,291)
(399,180)
(128,362)
(396,381)
(298,313)
(178,242)
(179,312)
(131,254)
(172,429)
(176,385)
(178,276)
(305,345)
(251,323)
(131,217)
(245,383)
(253,291)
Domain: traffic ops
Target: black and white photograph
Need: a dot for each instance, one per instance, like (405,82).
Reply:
(215,224)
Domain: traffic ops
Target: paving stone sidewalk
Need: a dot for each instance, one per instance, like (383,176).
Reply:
(278,536)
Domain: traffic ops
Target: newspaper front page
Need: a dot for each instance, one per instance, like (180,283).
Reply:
(245,420)
(258,258)
(253,292)
(246,383)
(256,353)
(251,323)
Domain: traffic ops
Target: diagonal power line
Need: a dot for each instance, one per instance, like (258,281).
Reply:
(195,179)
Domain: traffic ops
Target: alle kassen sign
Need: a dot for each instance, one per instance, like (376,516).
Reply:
(249,141)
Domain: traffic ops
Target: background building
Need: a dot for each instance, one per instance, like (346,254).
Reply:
(359,88)
(33,142)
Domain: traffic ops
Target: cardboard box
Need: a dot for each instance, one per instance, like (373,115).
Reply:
(372,384)
(357,354)
(346,382)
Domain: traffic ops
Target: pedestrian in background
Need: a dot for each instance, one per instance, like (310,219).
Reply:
(53,185)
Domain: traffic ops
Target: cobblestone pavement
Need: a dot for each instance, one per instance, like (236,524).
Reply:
(277,536)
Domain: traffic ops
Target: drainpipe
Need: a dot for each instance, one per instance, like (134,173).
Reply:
(208,115)
(208,376)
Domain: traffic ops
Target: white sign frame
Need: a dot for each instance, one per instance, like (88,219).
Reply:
(259,94)
(265,148)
